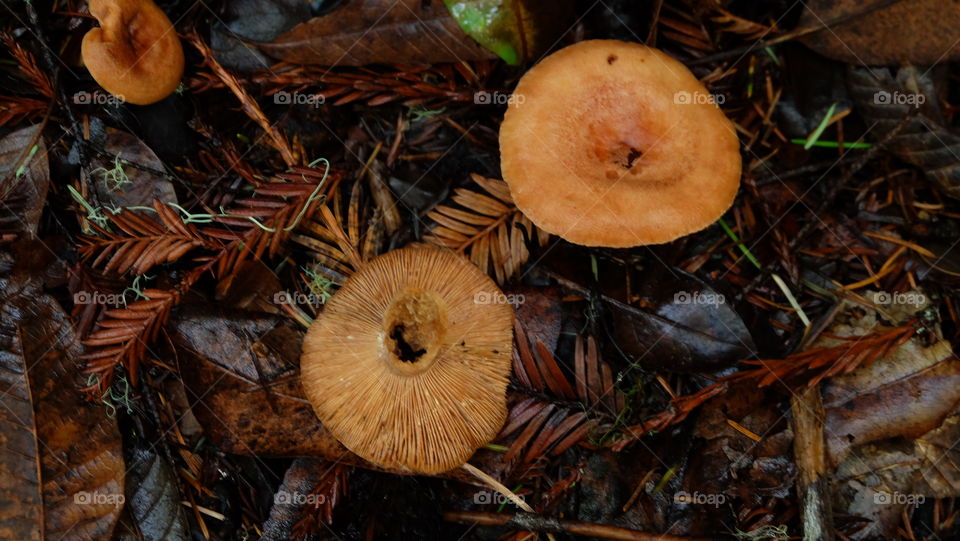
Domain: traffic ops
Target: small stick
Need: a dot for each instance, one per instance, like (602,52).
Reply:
(809,450)
(535,523)
(499,487)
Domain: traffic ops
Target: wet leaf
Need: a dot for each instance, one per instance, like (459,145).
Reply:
(692,329)
(907,32)
(120,185)
(153,499)
(886,97)
(890,426)
(51,486)
(515,31)
(243,367)
(310,490)
(260,20)
(729,465)
(674,321)
(539,311)
(906,393)
(24,179)
(377,32)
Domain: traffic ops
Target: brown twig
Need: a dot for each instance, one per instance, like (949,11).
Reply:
(536,523)
(799,370)
(250,106)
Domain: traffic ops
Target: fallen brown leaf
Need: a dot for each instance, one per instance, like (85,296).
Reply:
(51,486)
(378,32)
(907,32)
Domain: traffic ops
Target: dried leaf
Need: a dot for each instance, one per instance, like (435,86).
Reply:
(905,393)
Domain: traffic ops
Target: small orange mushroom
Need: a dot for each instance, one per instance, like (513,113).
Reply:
(608,143)
(408,364)
(135,54)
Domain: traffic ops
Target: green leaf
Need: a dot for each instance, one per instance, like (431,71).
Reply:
(511,29)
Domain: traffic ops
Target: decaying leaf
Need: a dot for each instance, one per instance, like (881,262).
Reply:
(121,185)
(885,98)
(310,490)
(890,425)
(51,487)
(153,499)
(880,32)
(378,32)
(740,457)
(24,179)
(879,400)
(540,312)
(244,368)
(672,321)
(696,330)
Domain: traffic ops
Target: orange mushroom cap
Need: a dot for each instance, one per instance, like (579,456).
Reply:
(135,54)
(608,143)
(408,364)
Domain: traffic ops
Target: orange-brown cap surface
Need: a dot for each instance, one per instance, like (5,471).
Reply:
(608,143)
(408,363)
(135,54)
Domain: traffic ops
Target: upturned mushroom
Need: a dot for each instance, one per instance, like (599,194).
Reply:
(608,143)
(408,364)
(135,54)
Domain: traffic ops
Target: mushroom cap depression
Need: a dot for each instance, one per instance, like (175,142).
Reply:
(609,143)
(135,54)
(408,364)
